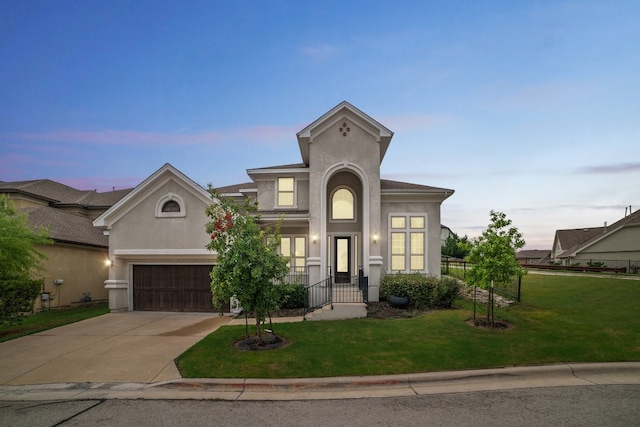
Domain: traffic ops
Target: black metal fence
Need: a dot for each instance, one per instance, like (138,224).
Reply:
(459,270)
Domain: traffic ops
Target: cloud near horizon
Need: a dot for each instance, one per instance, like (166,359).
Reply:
(610,169)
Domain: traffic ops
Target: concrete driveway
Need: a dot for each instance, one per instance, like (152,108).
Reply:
(117,347)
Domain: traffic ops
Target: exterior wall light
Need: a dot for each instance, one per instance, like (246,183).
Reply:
(314,238)
(108,262)
(375,237)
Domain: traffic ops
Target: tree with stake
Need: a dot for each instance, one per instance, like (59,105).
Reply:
(248,263)
(493,256)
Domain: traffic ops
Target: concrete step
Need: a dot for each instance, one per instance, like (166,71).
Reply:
(340,311)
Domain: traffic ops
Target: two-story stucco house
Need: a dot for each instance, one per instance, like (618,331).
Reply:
(339,217)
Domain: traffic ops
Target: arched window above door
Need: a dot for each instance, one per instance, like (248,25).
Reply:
(343,205)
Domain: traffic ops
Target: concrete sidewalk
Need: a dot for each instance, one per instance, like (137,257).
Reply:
(588,374)
(130,356)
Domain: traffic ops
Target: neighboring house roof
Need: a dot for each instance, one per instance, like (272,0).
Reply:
(66,227)
(56,193)
(534,256)
(576,240)
(333,117)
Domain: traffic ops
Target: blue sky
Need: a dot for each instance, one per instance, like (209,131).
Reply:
(529,108)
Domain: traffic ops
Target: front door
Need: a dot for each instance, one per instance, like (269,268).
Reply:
(342,259)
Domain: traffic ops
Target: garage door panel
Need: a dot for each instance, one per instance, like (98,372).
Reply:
(172,288)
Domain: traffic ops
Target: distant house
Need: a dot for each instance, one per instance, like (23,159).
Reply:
(619,242)
(339,218)
(533,256)
(75,269)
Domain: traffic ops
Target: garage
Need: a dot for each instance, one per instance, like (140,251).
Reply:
(184,288)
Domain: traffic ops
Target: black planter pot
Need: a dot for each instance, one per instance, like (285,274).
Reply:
(398,302)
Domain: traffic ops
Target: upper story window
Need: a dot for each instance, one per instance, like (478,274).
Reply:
(343,205)
(286,187)
(170,205)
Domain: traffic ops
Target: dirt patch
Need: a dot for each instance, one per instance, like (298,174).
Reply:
(496,325)
(269,342)
(384,310)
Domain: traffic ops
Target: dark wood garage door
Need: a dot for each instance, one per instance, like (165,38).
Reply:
(172,288)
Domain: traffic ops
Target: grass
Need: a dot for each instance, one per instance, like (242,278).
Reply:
(561,319)
(49,319)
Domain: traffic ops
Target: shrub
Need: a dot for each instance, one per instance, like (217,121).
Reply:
(448,291)
(291,295)
(421,290)
(16,298)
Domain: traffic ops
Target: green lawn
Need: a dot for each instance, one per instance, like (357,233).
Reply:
(561,319)
(50,319)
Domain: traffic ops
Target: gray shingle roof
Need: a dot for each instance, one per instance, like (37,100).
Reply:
(386,184)
(55,192)
(66,227)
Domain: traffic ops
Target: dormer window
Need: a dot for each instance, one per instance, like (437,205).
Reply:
(286,189)
(170,205)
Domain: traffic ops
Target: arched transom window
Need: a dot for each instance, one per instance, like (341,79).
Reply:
(171,206)
(342,205)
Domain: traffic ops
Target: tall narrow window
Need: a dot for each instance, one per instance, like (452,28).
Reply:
(295,249)
(285,192)
(342,205)
(408,246)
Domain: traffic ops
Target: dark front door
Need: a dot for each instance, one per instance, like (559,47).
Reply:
(342,259)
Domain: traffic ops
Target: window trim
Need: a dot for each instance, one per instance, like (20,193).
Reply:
(408,231)
(170,197)
(355,205)
(293,192)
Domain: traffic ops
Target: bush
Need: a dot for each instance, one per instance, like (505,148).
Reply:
(421,290)
(448,291)
(16,298)
(291,295)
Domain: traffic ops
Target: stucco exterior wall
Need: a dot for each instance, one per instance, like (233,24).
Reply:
(83,269)
(141,229)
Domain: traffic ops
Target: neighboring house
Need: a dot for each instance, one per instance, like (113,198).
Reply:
(75,268)
(618,242)
(445,232)
(338,215)
(533,256)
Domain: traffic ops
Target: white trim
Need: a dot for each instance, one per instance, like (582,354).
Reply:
(358,171)
(126,253)
(168,198)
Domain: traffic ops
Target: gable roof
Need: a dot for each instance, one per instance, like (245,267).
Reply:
(66,227)
(333,116)
(576,240)
(155,180)
(56,193)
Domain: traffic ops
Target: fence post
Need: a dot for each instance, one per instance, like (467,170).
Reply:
(519,287)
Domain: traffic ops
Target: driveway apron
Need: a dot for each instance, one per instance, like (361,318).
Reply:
(117,347)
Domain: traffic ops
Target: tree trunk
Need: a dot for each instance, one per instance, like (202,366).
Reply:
(258,327)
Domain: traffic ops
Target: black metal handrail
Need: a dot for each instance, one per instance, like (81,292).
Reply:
(318,295)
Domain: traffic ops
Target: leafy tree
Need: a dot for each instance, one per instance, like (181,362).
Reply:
(20,261)
(493,255)
(248,263)
(455,246)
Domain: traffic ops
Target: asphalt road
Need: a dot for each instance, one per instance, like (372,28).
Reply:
(597,405)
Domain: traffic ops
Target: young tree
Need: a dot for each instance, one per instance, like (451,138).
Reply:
(248,263)
(493,255)
(455,246)
(20,261)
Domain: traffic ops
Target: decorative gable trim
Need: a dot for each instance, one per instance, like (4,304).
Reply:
(160,177)
(337,116)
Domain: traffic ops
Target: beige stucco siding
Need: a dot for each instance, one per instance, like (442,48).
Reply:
(82,269)
(141,229)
